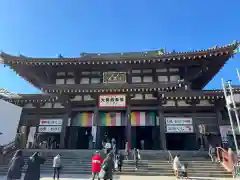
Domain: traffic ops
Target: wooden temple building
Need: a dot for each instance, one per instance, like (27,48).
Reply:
(152,100)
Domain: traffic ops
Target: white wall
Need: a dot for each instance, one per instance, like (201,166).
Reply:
(10,116)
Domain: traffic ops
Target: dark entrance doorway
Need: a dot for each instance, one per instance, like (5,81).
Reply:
(116,132)
(145,137)
(51,140)
(78,137)
(84,137)
(181,141)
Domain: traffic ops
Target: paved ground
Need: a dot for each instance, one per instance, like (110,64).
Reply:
(132,178)
(85,177)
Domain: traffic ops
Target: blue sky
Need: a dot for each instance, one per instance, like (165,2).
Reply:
(45,28)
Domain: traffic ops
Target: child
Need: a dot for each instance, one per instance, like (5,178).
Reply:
(183,173)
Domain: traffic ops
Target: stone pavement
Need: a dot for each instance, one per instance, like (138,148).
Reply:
(87,177)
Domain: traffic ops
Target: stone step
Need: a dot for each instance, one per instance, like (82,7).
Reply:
(64,159)
(146,166)
(70,164)
(152,163)
(141,173)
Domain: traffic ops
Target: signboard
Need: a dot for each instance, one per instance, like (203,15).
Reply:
(177,120)
(112,100)
(50,122)
(49,129)
(114,77)
(180,129)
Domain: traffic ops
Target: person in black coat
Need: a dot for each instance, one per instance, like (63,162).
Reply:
(33,167)
(108,166)
(16,165)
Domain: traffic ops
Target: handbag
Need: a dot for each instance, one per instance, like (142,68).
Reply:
(116,164)
(102,174)
(139,157)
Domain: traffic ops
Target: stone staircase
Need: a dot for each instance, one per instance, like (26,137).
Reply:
(153,163)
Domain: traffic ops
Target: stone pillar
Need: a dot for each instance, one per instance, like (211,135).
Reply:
(162,128)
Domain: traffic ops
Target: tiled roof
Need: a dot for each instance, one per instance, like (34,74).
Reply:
(122,58)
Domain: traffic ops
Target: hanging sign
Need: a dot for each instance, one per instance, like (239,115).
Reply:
(49,129)
(178,120)
(51,122)
(179,129)
(112,100)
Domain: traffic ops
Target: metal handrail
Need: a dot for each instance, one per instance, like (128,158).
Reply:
(8,148)
(170,158)
(9,145)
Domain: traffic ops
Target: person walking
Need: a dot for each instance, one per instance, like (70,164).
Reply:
(107,167)
(120,158)
(212,153)
(33,167)
(136,157)
(108,146)
(176,165)
(127,150)
(96,165)
(56,166)
(16,165)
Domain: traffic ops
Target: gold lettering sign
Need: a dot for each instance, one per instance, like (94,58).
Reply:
(114,77)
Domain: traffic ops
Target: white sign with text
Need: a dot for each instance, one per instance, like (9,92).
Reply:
(50,122)
(178,120)
(112,100)
(49,129)
(179,129)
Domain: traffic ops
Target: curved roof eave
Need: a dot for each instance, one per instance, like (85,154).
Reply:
(8,59)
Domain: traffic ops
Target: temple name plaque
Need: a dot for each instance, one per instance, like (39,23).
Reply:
(114,77)
(112,100)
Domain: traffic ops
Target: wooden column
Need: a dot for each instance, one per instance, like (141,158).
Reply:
(64,125)
(162,128)
(38,114)
(155,76)
(128,126)
(196,130)
(219,123)
(96,123)
(219,118)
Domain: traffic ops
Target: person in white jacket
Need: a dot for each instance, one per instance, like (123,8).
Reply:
(176,164)
(56,166)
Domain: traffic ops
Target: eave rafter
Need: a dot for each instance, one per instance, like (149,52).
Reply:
(108,59)
(125,88)
(198,95)
(25,100)
(211,96)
